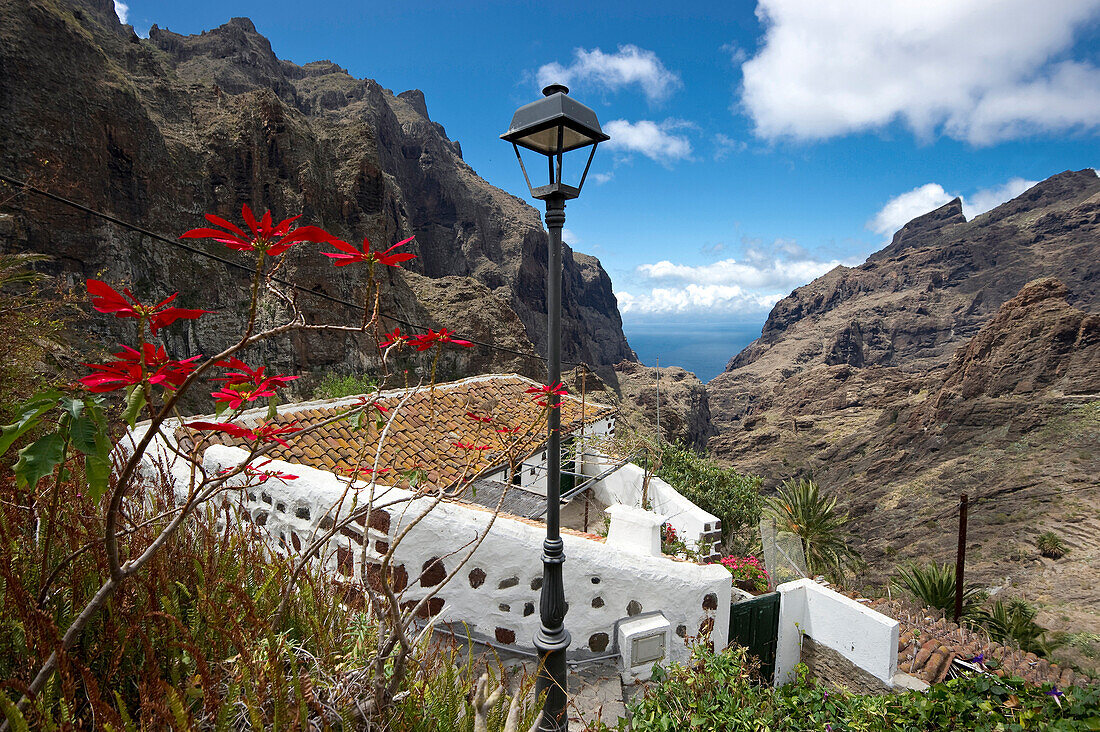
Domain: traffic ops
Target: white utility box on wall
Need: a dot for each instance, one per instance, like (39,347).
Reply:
(643,641)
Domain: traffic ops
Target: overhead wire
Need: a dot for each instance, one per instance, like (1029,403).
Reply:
(237,265)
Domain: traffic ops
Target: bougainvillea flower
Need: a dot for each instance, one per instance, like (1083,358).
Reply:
(541,392)
(107,300)
(266,432)
(348,254)
(394,338)
(427,340)
(257,471)
(150,364)
(265,237)
(468,446)
(478,418)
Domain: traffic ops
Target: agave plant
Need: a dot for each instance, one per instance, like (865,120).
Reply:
(1051,545)
(934,585)
(800,509)
(15,268)
(1015,620)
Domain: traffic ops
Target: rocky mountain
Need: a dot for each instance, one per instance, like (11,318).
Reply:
(963,357)
(159,131)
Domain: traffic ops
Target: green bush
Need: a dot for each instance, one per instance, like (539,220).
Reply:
(732,497)
(799,508)
(719,691)
(1015,620)
(336,386)
(1051,545)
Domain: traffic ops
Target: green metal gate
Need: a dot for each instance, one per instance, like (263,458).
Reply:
(754,624)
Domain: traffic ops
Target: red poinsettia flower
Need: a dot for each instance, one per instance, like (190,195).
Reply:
(245,374)
(431,338)
(469,446)
(541,392)
(271,239)
(266,432)
(394,338)
(257,471)
(478,418)
(364,470)
(124,305)
(150,364)
(237,395)
(508,429)
(348,254)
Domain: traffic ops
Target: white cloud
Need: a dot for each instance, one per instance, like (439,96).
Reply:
(903,208)
(989,198)
(629,65)
(736,54)
(754,273)
(724,145)
(602,178)
(726,299)
(655,140)
(976,70)
(122,10)
(569,237)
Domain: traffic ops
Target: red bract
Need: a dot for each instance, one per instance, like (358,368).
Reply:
(364,471)
(266,432)
(257,471)
(395,338)
(124,305)
(468,446)
(478,418)
(348,254)
(150,364)
(431,338)
(544,391)
(237,395)
(267,238)
(244,374)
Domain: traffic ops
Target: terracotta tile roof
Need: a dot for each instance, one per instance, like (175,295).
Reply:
(928,643)
(424,430)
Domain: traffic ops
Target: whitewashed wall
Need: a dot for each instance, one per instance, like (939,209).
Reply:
(865,637)
(496,593)
(692,524)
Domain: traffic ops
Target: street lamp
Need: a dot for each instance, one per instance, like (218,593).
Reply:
(553,126)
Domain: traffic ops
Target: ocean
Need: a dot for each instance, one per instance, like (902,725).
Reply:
(703,348)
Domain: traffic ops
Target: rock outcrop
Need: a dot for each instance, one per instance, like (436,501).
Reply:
(159,131)
(962,358)
(684,412)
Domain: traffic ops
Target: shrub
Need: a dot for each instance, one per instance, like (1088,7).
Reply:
(1051,545)
(934,585)
(732,497)
(719,691)
(336,386)
(800,509)
(1015,620)
(747,570)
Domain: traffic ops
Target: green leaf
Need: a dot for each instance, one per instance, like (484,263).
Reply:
(15,718)
(82,434)
(98,472)
(30,417)
(272,404)
(38,459)
(135,401)
(73,406)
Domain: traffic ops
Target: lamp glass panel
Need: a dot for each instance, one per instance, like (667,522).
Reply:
(546,141)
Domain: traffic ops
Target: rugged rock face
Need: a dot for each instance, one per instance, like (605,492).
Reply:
(942,366)
(159,131)
(684,404)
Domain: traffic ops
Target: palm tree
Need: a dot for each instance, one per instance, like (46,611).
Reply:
(800,509)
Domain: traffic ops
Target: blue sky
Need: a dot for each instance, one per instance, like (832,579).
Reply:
(755,145)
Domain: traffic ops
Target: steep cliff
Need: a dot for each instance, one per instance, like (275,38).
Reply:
(159,131)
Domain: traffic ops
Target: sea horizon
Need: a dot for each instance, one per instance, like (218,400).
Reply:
(702,347)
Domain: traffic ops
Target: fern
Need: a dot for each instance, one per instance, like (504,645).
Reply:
(16,721)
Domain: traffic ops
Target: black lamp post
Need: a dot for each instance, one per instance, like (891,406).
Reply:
(553,126)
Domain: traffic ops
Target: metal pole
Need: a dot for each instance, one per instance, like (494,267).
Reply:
(960,558)
(552,640)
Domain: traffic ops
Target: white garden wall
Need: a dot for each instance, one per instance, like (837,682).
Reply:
(496,593)
(863,636)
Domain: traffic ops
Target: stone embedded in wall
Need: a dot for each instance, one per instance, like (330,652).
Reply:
(433,572)
(261,518)
(597,601)
(352,534)
(345,561)
(381,546)
(280,507)
(528,609)
(633,608)
(597,642)
(510,582)
(265,497)
(352,596)
(302,512)
(681,630)
(503,635)
(326,523)
(710,601)
(477,577)
(379,521)
(504,607)
(400,578)
(595,580)
(536,583)
(833,669)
